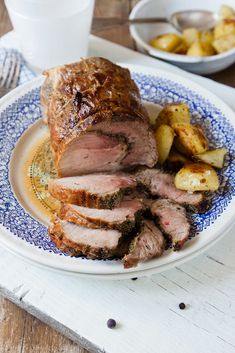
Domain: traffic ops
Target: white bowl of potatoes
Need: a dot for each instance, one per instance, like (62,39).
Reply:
(199,52)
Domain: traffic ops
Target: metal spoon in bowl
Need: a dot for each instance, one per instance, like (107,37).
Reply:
(199,19)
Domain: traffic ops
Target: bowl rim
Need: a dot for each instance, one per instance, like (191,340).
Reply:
(166,55)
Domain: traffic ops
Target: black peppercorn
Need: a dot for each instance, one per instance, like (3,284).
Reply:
(111,323)
(182,306)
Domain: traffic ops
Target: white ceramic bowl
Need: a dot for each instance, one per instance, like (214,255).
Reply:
(162,8)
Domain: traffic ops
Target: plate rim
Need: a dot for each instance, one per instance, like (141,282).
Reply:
(16,245)
(126,274)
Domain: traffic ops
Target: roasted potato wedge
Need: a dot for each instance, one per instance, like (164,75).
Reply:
(181,48)
(164,139)
(190,35)
(174,113)
(162,119)
(166,42)
(226,12)
(224,28)
(180,148)
(193,42)
(190,138)
(207,37)
(200,48)
(215,158)
(176,160)
(224,43)
(197,177)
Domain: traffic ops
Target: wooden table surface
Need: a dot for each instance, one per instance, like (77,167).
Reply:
(20,332)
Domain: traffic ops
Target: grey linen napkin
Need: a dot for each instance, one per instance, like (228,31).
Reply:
(26,74)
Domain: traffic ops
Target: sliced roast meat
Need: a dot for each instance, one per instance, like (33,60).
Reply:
(93,243)
(149,243)
(162,184)
(97,152)
(122,217)
(67,214)
(139,140)
(96,119)
(94,190)
(173,221)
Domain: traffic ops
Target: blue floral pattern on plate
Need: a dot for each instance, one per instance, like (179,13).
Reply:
(17,117)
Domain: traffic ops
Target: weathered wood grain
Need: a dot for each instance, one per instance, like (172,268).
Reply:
(5,24)
(12,327)
(227,76)
(114,8)
(22,333)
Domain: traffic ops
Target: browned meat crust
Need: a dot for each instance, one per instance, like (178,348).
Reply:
(67,213)
(88,198)
(172,220)
(60,238)
(160,183)
(148,244)
(93,92)
(125,225)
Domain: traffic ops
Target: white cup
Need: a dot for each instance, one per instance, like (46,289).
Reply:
(51,32)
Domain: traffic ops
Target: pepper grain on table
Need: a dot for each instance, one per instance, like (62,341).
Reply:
(19,331)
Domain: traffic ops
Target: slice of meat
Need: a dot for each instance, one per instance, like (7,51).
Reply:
(142,150)
(96,97)
(122,217)
(94,190)
(149,243)
(97,152)
(67,213)
(173,221)
(162,184)
(93,243)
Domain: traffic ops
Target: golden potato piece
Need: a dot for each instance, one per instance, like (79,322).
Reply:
(176,160)
(190,35)
(174,113)
(180,148)
(200,48)
(166,42)
(215,158)
(191,138)
(162,119)
(181,48)
(224,43)
(224,28)
(207,37)
(164,139)
(197,177)
(226,12)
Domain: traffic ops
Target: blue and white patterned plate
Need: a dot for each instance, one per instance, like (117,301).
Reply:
(22,225)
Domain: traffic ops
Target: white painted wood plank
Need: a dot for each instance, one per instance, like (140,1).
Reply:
(147,309)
